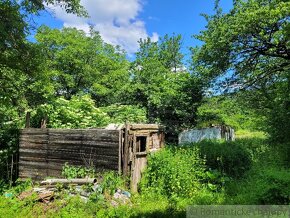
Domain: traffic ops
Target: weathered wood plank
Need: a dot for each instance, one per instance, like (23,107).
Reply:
(75,153)
(35,175)
(144,126)
(32,151)
(33,131)
(82,156)
(69,181)
(33,159)
(84,145)
(33,139)
(43,152)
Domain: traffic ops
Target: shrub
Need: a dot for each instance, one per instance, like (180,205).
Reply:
(78,112)
(70,172)
(229,158)
(276,188)
(9,137)
(81,112)
(111,181)
(174,172)
(268,185)
(122,113)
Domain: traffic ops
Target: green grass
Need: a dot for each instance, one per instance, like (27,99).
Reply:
(242,133)
(177,177)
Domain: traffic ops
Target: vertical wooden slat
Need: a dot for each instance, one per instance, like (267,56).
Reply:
(133,167)
(120,152)
(43,122)
(27,120)
(126,151)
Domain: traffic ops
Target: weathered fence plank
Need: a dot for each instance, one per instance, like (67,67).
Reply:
(43,152)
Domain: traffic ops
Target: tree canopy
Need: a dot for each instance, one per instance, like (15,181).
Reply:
(248,49)
(251,41)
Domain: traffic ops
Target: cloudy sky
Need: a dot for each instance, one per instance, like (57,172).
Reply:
(124,22)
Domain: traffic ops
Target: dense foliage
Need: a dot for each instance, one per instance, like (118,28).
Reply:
(175,178)
(229,158)
(248,49)
(239,76)
(162,84)
(175,172)
(229,110)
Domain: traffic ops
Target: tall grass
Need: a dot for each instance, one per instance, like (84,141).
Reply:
(247,171)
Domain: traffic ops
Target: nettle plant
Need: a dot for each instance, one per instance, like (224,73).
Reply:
(78,112)
(69,171)
(82,112)
(175,172)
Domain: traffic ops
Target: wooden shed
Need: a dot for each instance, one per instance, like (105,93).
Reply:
(43,152)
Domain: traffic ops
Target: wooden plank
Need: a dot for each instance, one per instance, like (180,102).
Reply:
(43,167)
(64,153)
(142,132)
(92,132)
(126,152)
(53,147)
(66,140)
(144,126)
(35,175)
(112,146)
(33,145)
(120,152)
(58,163)
(33,131)
(33,138)
(33,159)
(80,181)
(27,120)
(35,171)
(140,165)
(38,151)
(81,156)
(43,152)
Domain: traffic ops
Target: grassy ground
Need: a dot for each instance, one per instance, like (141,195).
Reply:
(247,171)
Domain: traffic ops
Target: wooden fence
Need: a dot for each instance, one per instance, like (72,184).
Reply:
(43,152)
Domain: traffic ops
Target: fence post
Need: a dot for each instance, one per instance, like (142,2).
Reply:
(126,151)
(27,120)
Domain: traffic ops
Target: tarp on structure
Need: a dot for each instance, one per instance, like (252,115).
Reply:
(212,133)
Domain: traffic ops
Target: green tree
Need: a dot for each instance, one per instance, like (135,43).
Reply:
(80,63)
(70,6)
(170,96)
(170,55)
(229,110)
(23,83)
(248,49)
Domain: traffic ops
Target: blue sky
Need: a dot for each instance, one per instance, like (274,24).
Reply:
(124,22)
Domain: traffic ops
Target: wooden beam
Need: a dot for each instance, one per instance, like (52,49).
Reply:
(27,120)
(67,181)
(126,151)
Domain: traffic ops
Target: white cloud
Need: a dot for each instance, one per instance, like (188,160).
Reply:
(154,37)
(116,20)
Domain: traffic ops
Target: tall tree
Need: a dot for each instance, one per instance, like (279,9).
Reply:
(248,48)
(20,58)
(77,63)
(170,55)
(170,96)
(22,82)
